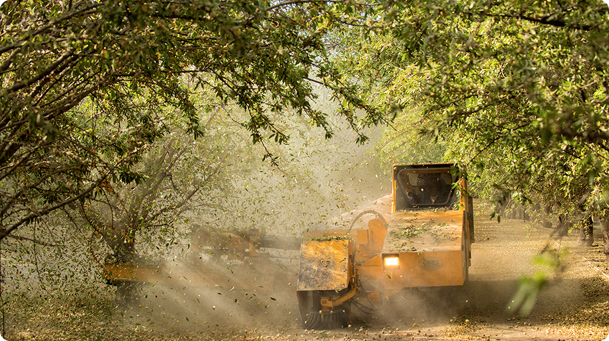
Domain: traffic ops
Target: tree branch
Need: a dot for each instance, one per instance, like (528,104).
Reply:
(36,241)
(46,72)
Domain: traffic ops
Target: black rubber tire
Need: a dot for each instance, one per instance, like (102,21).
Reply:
(309,306)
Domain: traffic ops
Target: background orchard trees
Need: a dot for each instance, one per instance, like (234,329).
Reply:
(516,91)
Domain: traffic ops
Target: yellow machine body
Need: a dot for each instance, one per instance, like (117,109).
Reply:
(325,265)
(417,237)
(421,249)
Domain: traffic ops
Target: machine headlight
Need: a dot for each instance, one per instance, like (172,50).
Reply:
(391,262)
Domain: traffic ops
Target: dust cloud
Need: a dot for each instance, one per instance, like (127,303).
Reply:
(221,293)
(217,296)
(227,285)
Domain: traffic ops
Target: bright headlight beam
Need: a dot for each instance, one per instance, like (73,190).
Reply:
(392,261)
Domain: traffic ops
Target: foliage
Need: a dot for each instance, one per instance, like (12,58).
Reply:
(390,82)
(88,86)
(516,91)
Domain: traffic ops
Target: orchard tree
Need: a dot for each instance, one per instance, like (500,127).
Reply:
(176,175)
(88,86)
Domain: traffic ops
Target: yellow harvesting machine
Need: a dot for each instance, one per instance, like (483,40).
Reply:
(419,236)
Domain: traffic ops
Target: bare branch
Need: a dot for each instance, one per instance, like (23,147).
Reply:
(33,240)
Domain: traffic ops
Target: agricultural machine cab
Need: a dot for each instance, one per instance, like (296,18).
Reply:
(422,187)
(416,237)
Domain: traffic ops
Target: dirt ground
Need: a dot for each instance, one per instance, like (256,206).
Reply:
(574,305)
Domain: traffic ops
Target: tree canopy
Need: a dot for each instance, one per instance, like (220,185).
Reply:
(517,91)
(88,86)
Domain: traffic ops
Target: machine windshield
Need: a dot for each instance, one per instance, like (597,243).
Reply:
(427,188)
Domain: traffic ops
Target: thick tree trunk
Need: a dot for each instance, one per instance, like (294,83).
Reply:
(586,232)
(562,229)
(122,245)
(605,230)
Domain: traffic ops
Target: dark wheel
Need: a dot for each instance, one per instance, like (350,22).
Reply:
(309,306)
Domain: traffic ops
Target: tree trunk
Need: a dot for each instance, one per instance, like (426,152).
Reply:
(586,232)
(605,230)
(562,229)
(122,245)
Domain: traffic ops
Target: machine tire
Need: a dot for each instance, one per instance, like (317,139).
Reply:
(309,306)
